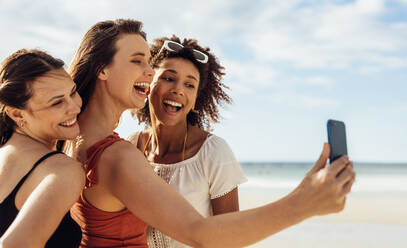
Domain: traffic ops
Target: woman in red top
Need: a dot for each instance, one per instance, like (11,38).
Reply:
(111,69)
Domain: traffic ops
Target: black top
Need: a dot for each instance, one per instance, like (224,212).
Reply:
(68,233)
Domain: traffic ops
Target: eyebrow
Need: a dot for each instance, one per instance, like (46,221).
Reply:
(175,72)
(59,96)
(138,54)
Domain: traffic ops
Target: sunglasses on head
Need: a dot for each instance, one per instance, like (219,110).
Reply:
(176,47)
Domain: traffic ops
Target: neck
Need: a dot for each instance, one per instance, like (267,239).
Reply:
(167,139)
(100,117)
(50,144)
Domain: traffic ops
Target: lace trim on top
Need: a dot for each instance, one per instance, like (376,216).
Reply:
(188,160)
(167,172)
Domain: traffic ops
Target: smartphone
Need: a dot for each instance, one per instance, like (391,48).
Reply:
(336,139)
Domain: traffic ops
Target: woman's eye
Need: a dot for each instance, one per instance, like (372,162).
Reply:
(56,103)
(169,79)
(190,85)
(136,61)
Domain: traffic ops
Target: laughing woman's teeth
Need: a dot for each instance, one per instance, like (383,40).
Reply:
(172,103)
(142,84)
(68,123)
(142,87)
(172,106)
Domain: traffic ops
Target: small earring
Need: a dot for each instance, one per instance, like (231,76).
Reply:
(21,123)
(194,111)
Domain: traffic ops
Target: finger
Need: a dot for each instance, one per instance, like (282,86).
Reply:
(347,187)
(345,176)
(340,204)
(321,162)
(338,165)
(343,202)
(349,164)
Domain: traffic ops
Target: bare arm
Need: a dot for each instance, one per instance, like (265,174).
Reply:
(45,207)
(227,203)
(128,176)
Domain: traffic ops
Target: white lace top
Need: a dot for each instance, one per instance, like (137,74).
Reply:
(211,173)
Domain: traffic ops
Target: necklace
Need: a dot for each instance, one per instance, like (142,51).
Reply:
(183,146)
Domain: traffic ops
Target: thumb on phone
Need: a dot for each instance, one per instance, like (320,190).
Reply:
(321,162)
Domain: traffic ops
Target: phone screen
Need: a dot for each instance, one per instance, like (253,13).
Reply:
(336,139)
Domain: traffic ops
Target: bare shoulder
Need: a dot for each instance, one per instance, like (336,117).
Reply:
(121,152)
(120,161)
(64,162)
(65,168)
(198,135)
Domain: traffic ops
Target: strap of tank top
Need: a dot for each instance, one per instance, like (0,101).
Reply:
(94,153)
(34,166)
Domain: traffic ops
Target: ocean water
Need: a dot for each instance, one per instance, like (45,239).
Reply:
(375,215)
(371,178)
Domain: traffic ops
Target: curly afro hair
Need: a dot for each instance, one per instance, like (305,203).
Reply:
(211,90)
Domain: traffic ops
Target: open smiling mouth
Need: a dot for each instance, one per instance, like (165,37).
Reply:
(142,88)
(68,123)
(172,106)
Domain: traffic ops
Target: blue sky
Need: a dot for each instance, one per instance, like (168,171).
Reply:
(291,65)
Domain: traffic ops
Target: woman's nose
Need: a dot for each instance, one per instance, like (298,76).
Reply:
(75,104)
(177,89)
(149,72)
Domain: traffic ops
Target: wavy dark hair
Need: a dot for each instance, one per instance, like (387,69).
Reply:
(96,51)
(211,90)
(17,74)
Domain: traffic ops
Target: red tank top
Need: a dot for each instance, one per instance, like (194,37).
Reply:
(101,228)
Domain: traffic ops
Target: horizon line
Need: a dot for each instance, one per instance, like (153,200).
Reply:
(312,162)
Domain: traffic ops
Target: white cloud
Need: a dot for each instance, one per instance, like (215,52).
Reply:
(241,89)
(389,61)
(206,21)
(321,35)
(369,69)
(291,99)
(370,6)
(401,109)
(326,35)
(319,80)
(248,78)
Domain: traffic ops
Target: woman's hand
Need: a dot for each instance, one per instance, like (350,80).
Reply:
(324,189)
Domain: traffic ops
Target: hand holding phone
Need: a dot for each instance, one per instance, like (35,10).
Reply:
(336,139)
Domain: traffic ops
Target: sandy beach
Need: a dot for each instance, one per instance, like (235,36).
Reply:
(368,221)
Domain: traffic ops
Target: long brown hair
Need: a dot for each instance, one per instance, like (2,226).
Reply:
(96,51)
(17,73)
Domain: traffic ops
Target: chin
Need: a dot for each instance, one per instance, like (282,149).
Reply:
(71,135)
(138,105)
